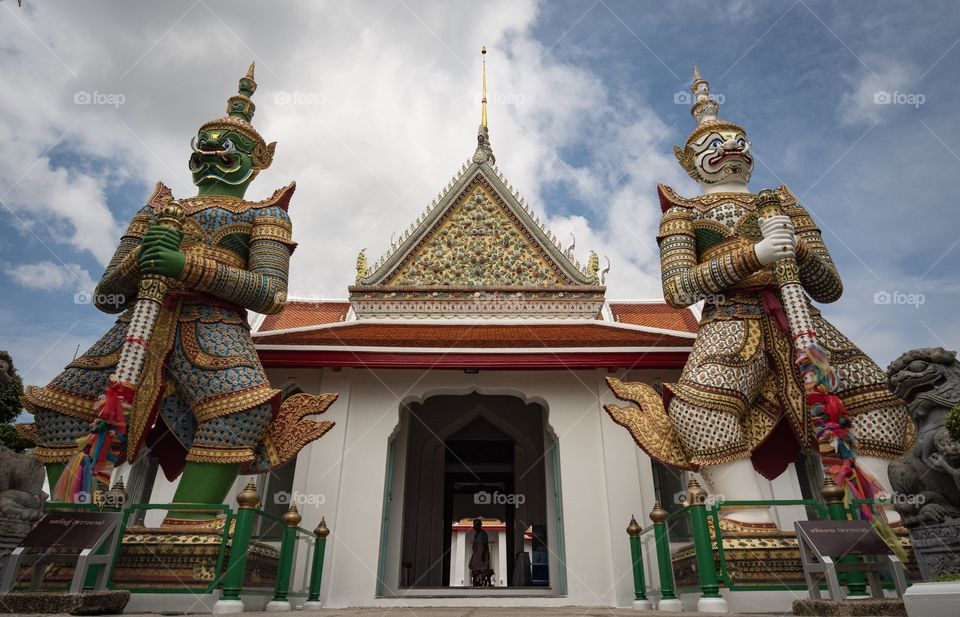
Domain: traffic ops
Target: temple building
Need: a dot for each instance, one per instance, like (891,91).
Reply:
(470,364)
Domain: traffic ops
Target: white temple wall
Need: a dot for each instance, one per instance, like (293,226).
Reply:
(605,477)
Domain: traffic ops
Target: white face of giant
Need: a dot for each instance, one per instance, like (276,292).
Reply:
(722,157)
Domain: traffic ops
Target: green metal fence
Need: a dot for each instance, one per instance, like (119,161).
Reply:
(712,569)
(233,552)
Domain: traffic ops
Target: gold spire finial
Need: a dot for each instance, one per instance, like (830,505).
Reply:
(250,70)
(483,101)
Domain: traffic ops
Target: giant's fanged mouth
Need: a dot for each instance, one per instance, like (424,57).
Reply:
(211,154)
(723,155)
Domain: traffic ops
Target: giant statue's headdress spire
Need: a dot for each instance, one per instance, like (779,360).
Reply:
(704,110)
(240,109)
(484,152)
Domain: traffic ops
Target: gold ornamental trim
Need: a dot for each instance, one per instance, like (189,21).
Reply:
(291,430)
(233,402)
(151,384)
(219,254)
(202,359)
(236,205)
(53,398)
(198,454)
(53,454)
(648,422)
(97,362)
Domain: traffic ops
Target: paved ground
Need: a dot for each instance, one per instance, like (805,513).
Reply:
(563,611)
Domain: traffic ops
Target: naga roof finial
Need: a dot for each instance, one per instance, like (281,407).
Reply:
(484,151)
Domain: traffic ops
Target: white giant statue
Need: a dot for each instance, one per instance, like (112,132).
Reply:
(740,408)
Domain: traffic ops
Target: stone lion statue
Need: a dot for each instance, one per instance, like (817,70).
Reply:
(927,478)
(21,486)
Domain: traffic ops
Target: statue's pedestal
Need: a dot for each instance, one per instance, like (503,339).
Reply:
(12,531)
(159,559)
(761,558)
(932,599)
(937,548)
(850,608)
(110,602)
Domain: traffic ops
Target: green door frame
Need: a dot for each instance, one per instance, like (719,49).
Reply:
(385,520)
(558,498)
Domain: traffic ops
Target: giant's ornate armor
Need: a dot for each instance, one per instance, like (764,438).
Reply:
(202,395)
(741,378)
(742,393)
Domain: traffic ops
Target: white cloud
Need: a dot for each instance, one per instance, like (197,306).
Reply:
(373,108)
(875,93)
(48,276)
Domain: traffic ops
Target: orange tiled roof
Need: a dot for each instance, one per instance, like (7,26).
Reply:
(490,336)
(301,313)
(655,315)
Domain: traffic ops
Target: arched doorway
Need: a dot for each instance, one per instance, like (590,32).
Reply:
(458,457)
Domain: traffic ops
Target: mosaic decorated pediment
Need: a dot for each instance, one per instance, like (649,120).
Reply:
(479,235)
(478,244)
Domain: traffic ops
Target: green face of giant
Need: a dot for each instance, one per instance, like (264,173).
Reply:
(221,156)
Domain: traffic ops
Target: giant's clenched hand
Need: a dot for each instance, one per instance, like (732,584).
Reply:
(160,252)
(779,240)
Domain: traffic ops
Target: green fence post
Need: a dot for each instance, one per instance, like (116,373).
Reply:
(288,545)
(230,601)
(640,601)
(668,598)
(832,495)
(710,599)
(316,571)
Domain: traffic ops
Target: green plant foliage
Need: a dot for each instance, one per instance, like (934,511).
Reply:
(952,423)
(12,439)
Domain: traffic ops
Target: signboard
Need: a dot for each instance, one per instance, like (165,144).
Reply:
(839,538)
(92,533)
(823,544)
(71,530)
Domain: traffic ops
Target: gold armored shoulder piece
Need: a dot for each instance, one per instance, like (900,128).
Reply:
(802,221)
(676,220)
(161,196)
(275,228)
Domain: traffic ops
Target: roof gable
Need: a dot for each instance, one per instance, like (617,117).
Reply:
(479,234)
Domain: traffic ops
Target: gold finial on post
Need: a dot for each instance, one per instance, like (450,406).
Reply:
(695,493)
(831,492)
(322,531)
(292,516)
(483,100)
(633,529)
(658,514)
(248,497)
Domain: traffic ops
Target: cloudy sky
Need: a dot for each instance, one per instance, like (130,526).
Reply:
(375,105)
